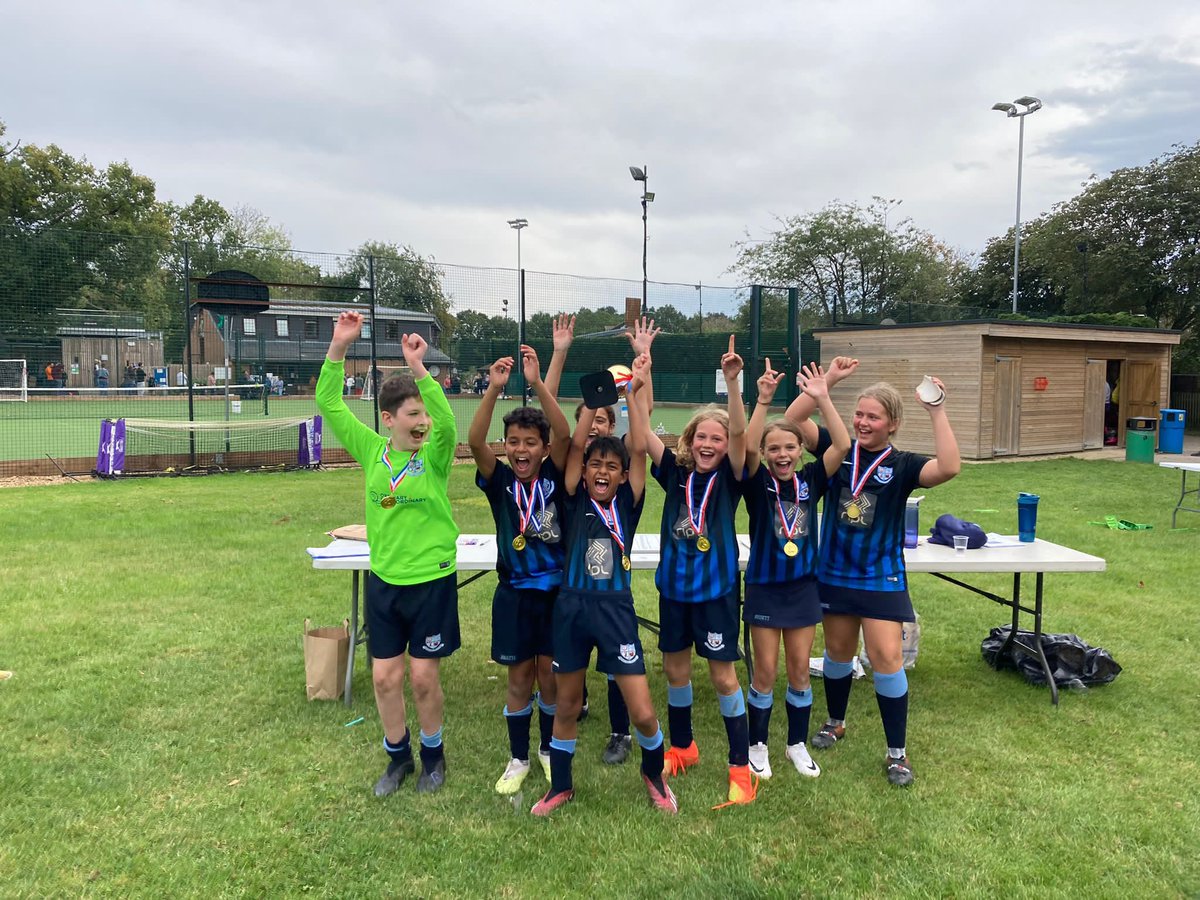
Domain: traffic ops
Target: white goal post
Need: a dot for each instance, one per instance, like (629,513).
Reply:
(14,380)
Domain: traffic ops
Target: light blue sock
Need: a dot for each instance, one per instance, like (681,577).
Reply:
(649,743)
(834,669)
(527,711)
(679,696)
(799,698)
(564,746)
(732,704)
(431,740)
(548,708)
(891,685)
(762,701)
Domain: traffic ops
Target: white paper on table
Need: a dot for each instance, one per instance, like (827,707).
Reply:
(1001,540)
(340,548)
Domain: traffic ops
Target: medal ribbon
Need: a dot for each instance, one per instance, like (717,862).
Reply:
(857,484)
(525,507)
(689,494)
(396,477)
(789,530)
(614,526)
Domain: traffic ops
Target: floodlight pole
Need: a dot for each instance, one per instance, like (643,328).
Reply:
(517,225)
(642,175)
(1032,105)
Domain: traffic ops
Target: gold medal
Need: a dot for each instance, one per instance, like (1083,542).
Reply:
(625,563)
(853,513)
(703,544)
(790,548)
(388,502)
(519,542)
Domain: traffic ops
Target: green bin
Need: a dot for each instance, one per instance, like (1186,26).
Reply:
(1139,446)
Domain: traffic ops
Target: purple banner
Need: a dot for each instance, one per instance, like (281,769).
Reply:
(310,442)
(110,456)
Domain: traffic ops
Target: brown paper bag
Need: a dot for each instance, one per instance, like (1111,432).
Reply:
(326,651)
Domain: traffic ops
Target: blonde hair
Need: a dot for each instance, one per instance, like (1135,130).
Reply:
(889,398)
(780,425)
(683,449)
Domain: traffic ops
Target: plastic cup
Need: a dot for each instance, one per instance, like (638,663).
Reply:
(1027,505)
(960,544)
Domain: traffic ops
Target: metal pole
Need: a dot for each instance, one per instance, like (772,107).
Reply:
(371,373)
(645,233)
(521,325)
(1017,234)
(187,324)
(700,288)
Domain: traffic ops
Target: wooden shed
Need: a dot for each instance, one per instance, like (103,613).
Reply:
(1013,388)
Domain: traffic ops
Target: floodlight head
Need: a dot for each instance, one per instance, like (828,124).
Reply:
(649,196)
(1033,103)
(638,174)
(1006,108)
(517,223)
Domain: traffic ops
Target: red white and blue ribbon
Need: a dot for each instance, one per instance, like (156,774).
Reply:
(857,484)
(789,529)
(396,477)
(697,523)
(612,521)
(526,502)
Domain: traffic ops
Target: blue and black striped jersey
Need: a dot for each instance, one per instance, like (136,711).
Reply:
(862,538)
(769,504)
(593,555)
(539,564)
(686,573)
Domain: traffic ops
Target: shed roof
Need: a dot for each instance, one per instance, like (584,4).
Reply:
(1010,328)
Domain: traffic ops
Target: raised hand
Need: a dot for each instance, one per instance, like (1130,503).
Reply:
(731,363)
(499,371)
(642,335)
(814,381)
(347,328)
(767,382)
(530,365)
(414,347)
(641,371)
(941,387)
(563,330)
(841,367)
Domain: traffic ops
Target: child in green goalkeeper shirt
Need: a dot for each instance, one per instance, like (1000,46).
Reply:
(412,592)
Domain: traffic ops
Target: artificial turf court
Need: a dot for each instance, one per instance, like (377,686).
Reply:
(157,740)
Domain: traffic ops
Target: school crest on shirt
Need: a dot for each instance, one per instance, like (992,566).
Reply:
(803,495)
(598,559)
(416,466)
(433,643)
(715,641)
(883,474)
(627,653)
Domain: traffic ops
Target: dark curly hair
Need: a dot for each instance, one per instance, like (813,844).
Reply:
(528,417)
(607,445)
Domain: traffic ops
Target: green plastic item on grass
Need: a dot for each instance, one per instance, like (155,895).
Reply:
(1122,524)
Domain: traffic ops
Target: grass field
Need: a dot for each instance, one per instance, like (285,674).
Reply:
(69,426)
(157,740)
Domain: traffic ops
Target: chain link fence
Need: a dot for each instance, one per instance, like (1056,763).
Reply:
(102,327)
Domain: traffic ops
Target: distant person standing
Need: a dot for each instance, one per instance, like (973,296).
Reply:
(181,378)
(101,376)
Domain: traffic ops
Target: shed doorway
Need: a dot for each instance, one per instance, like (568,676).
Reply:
(1006,437)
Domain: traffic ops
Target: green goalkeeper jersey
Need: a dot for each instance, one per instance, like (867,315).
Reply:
(410,527)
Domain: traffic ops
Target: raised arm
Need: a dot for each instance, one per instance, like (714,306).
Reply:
(731,366)
(560,431)
(946,462)
(641,337)
(816,385)
(485,457)
(642,382)
(639,425)
(767,383)
(564,333)
(574,470)
(414,347)
(802,407)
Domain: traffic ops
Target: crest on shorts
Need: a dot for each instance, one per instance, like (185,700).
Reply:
(434,643)
(883,474)
(715,641)
(627,653)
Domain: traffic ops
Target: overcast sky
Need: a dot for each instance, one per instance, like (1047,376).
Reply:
(430,124)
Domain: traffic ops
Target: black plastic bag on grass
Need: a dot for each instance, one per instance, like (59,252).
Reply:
(1073,662)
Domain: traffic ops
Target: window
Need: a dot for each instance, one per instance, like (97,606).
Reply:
(366,330)
(248,327)
(281,328)
(391,331)
(310,329)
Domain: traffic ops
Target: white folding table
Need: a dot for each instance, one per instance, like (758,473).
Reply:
(477,555)
(1184,468)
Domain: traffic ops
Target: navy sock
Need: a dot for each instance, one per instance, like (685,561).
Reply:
(759,712)
(562,754)
(799,712)
(432,749)
(400,751)
(618,712)
(733,711)
(679,715)
(838,678)
(652,756)
(891,692)
(545,723)
(518,731)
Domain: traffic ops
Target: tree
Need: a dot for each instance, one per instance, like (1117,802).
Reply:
(849,265)
(403,280)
